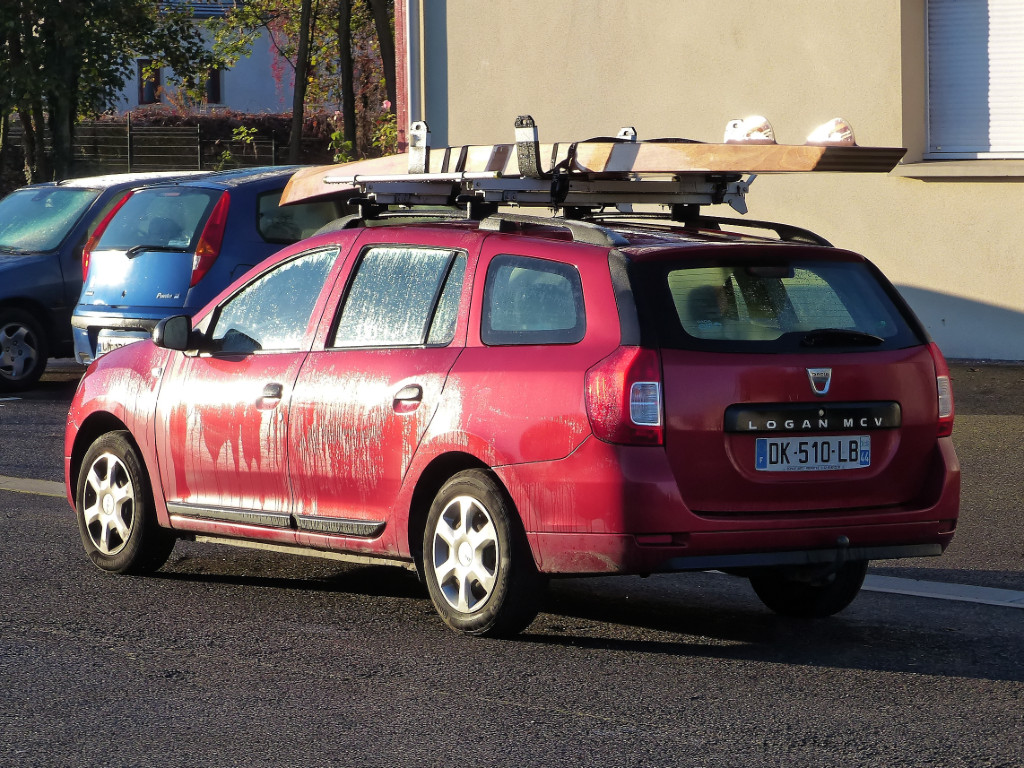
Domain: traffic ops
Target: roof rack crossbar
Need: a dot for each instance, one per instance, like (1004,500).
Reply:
(581,231)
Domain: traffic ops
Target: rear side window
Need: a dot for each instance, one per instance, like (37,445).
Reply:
(778,307)
(291,223)
(532,301)
(402,296)
(164,217)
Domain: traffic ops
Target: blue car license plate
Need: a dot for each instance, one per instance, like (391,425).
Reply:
(806,454)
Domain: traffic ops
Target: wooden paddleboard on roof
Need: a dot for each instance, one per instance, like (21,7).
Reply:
(608,158)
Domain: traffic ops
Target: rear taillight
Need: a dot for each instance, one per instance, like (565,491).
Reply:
(944,390)
(98,233)
(624,397)
(210,241)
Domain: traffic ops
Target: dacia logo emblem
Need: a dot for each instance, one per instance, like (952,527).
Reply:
(821,379)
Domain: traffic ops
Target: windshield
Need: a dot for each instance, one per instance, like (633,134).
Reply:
(779,306)
(38,219)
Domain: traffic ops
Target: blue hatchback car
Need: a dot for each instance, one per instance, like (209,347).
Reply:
(43,228)
(168,249)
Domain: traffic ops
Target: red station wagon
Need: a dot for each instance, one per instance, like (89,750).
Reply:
(501,400)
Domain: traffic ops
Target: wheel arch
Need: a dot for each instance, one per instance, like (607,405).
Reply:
(97,424)
(430,481)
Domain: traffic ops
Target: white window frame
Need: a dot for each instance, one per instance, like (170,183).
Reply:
(975,79)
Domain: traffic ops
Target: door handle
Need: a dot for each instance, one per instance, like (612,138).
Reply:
(408,398)
(271,397)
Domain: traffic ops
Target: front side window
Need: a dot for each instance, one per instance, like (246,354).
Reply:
(532,301)
(273,312)
(402,296)
(778,307)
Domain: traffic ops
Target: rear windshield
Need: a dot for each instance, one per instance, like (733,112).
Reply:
(783,306)
(37,220)
(171,218)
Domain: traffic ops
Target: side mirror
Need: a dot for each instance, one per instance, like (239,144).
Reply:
(174,332)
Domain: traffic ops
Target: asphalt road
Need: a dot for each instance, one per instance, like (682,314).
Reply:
(231,657)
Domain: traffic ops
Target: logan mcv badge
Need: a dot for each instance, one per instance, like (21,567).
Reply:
(821,379)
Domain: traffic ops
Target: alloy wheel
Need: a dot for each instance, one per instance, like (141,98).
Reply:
(465,554)
(19,351)
(109,504)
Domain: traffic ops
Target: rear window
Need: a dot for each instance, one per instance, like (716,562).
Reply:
(781,306)
(171,218)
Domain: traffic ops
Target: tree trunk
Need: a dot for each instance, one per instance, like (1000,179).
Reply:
(301,78)
(348,93)
(63,60)
(5,133)
(61,121)
(386,40)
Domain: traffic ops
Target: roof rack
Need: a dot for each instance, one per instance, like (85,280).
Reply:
(579,178)
(785,232)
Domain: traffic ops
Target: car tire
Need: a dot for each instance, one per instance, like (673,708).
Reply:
(24,350)
(116,519)
(809,593)
(477,563)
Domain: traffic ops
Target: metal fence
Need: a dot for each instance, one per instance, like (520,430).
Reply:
(102,147)
(115,148)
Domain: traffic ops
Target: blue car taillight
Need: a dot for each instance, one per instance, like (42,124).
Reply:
(210,240)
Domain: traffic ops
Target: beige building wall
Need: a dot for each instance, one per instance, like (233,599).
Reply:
(945,233)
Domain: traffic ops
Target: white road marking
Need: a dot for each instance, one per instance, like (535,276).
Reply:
(35,487)
(1007,598)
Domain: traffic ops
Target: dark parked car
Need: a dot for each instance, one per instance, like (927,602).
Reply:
(501,401)
(171,248)
(43,228)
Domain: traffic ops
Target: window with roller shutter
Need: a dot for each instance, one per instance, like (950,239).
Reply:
(975,79)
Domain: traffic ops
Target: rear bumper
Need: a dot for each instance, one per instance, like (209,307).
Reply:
(834,556)
(611,509)
(86,327)
(590,554)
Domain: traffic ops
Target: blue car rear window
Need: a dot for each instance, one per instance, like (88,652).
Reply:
(171,217)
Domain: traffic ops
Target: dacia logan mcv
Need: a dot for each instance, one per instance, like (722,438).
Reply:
(500,402)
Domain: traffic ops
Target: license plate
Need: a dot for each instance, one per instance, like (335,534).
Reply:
(109,343)
(807,454)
